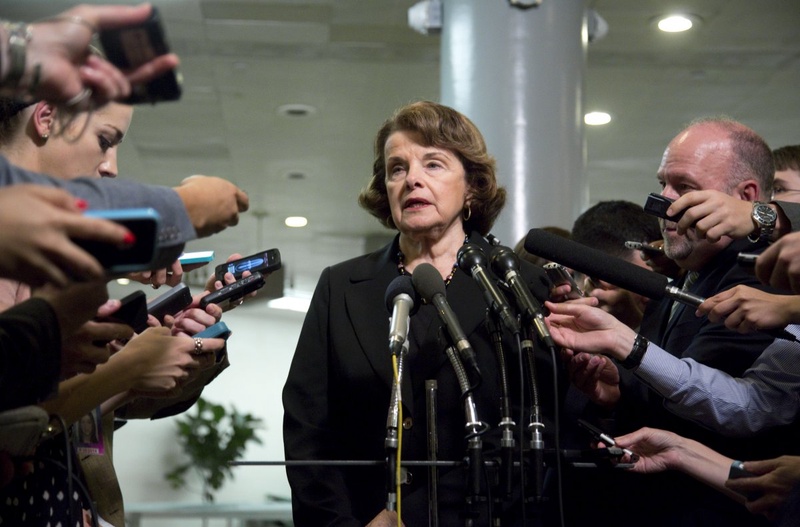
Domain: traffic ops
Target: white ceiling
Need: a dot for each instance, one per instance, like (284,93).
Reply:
(357,60)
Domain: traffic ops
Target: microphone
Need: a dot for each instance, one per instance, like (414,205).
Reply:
(505,263)
(617,271)
(430,286)
(401,302)
(472,260)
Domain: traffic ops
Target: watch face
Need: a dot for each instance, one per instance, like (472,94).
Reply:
(764,214)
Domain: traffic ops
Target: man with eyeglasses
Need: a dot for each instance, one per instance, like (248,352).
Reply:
(786,185)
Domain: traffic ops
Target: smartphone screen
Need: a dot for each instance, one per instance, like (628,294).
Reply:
(263,262)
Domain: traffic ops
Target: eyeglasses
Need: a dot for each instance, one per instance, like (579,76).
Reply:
(780,190)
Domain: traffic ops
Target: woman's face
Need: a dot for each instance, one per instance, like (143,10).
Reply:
(426,185)
(87,425)
(86,146)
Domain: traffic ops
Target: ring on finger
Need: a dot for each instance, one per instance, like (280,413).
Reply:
(78,99)
(198,346)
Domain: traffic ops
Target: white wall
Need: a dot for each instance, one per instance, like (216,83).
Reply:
(260,352)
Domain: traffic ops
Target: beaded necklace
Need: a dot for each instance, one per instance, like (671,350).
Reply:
(402,268)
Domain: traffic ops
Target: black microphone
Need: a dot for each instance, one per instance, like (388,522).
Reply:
(472,260)
(617,271)
(505,264)
(430,286)
(401,302)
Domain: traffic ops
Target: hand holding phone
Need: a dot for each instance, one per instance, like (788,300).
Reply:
(738,471)
(559,275)
(143,224)
(263,262)
(132,46)
(657,205)
(170,302)
(234,291)
(132,311)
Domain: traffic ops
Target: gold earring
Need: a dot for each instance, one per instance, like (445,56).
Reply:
(45,136)
(467,214)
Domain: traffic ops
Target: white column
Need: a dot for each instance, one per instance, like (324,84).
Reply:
(518,74)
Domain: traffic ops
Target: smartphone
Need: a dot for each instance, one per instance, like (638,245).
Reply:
(738,471)
(263,262)
(559,275)
(217,331)
(646,247)
(657,205)
(235,290)
(199,257)
(170,302)
(116,260)
(746,259)
(132,312)
(131,46)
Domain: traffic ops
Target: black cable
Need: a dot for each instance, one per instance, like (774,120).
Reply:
(557,437)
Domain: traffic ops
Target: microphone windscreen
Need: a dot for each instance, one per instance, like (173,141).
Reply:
(596,264)
(398,286)
(427,281)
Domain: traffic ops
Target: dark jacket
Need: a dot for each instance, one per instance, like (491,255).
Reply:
(336,398)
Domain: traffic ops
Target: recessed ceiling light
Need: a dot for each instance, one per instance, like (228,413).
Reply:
(296,221)
(296,110)
(676,23)
(596,118)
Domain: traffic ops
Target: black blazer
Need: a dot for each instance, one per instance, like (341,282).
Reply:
(336,397)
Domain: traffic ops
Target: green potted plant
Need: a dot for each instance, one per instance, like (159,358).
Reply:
(212,437)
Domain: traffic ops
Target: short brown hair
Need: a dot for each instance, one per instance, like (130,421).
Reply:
(442,127)
(787,157)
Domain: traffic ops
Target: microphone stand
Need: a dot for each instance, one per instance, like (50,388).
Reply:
(392,441)
(535,424)
(474,428)
(507,424)
(431,388)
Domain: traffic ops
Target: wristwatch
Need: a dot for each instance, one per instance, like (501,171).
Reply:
(764,218)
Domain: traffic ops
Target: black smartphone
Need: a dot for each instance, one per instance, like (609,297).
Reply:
(217,331)
(234,291)
(143,223)
(132,312)
(738,471)
(170,302)
(657,205)
(746,259)
(131,46)
(559,275)
(263,262)
(645,247)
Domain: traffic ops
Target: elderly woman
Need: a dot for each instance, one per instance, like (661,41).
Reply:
(434,182)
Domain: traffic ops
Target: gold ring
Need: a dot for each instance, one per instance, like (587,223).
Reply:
(198,346)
